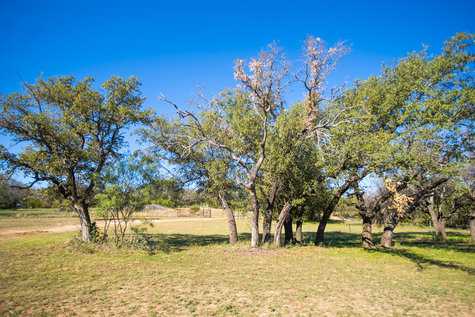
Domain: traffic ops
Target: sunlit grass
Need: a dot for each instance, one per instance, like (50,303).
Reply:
(198,273)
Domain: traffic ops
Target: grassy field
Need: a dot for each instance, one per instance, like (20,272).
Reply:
(197,273)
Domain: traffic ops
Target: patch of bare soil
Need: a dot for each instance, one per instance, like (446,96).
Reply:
(69,228)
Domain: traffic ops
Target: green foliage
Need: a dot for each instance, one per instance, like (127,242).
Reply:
(71,132)
(121,197)
(195,209)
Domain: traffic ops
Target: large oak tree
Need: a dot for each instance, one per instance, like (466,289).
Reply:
(70,132)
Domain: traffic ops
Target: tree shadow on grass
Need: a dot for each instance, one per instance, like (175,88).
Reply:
(423,239)
(178,242)
(338,239)
(420,260)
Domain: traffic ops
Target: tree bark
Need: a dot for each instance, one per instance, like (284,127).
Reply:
(85,221)
(288,234)
(254,218)
(298,225)
(438,221)
(472,226)
(387,237)
(233,236)
(320,237)
(267,223)
(439,227)
(440,233)
(278,228)
(367,233)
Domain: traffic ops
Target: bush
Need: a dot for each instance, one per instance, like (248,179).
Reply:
(142,240)
(165,202)
(195,209)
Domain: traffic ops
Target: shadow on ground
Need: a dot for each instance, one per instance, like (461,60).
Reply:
(179,242)
(421,239)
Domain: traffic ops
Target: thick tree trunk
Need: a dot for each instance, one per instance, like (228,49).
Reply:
(254,218)
(367,233)
(298,226)
(440,233)
(233,236)
(280,223)
(267,225)
(438,222)
(472,226)
(388,233)
(320,237)
(387,237)
(85,221)
(288,233)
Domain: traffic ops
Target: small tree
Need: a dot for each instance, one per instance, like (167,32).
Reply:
(121,197)
(71,132)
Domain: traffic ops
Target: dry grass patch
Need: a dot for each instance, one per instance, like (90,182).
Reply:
(199,274)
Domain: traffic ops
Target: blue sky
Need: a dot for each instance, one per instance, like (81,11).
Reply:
(175,47)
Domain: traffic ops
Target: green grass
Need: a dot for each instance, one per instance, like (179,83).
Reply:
(197,273)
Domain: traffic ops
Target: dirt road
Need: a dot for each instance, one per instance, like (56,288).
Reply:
(18,229)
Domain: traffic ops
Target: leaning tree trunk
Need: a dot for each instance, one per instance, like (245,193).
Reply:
(472,225)
(288,234)
(280,223)
(233,236)
(320,237)
(367,233)
(254,218)
(85,221)
(298,225)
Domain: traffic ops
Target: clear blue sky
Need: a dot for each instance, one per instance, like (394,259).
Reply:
(176,46)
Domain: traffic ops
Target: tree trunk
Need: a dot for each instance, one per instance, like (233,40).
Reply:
(438,222)
(85,221)
(267,221)
(472,226)
(278,228)
(440,233)
(233,236)
(388,233)
(439,228)
(288,234)
(267,225)
(320,237)
(367,233)
(254,218)
(387,237)
(298,225)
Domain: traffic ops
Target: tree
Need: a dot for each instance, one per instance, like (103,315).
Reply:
(206,168)
(122,196)
(237,124)
(421,111)
(71,132)
(289,168)
(11,193)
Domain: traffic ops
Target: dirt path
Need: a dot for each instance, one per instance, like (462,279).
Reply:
(69,227)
